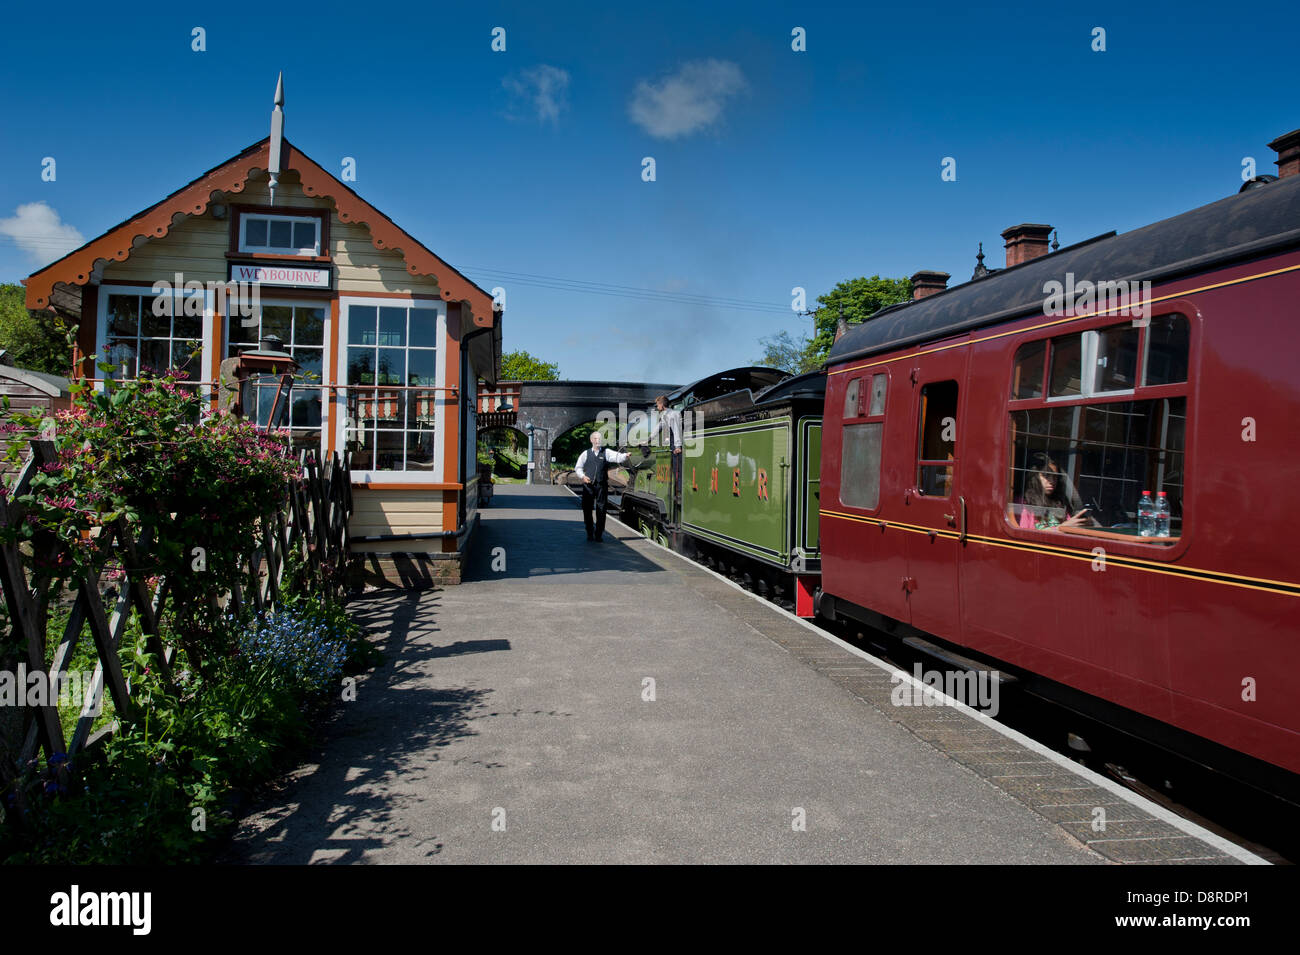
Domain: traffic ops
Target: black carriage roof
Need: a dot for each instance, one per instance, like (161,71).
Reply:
(808,385)
(754,378)
(1242,226)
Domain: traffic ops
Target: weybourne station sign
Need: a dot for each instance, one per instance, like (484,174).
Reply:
(281,275)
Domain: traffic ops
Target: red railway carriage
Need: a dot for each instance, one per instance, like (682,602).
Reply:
(950,419)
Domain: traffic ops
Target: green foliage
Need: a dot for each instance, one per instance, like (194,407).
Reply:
(860,298)
(567,448)
(521,366)
(784,351)
(159,789)
(35,340)
(142,452)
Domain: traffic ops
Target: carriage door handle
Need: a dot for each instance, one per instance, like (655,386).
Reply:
(960,515)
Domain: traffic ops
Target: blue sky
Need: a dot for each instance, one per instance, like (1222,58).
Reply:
(774,168)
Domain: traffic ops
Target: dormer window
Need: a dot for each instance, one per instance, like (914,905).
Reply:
(271,234)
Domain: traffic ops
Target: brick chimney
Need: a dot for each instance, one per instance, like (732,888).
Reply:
(926,283)
(1288,153)
(1025,242)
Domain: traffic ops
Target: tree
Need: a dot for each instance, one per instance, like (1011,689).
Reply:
(860,297)
(784,351)
(35,340)
(521,366)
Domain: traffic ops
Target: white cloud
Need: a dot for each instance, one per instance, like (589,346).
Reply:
(36,229)
(686,101)
(543,92)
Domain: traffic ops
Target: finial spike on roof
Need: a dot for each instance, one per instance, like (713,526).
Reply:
(1056,243)
(277,137)
(981,269)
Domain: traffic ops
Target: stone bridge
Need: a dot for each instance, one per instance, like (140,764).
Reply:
(550,408)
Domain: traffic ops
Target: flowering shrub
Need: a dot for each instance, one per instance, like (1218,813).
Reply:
(306,654)
(147,453)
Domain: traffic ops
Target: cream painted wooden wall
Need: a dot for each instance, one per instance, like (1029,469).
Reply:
(196,247)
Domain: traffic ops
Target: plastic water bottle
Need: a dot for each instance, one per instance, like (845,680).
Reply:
(1162,515)
(1146,516)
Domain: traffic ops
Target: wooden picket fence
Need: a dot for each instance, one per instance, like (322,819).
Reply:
(313,523)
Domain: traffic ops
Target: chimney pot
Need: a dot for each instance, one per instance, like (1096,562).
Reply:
(1025,242)
(1288,154)
(926,283)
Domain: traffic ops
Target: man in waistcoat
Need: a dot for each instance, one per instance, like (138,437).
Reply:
(592,467)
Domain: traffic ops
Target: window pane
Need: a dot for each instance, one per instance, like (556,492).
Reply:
(188,357)
(424,327)
(392,366)
(306,406)
(421,409)
(188,326)
(1117,359)
(158,326)
(155,356)
(361,324)
(310,366)
(390,410)
(419,451)
(392,326)
(1110,454)
(1027,373)
(304,236)
(281,234)
(254,233)
(309,326)
(878,384)
(938,421)
(277,320)
(389,446)
(422,367)
(1168,339)
(851,398)
(361,366)
(122,352)
(124,315)
(860,465)
(1067,363)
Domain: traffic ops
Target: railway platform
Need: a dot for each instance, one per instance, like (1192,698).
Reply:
(614,703)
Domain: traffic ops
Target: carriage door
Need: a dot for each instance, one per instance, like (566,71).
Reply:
(934,503)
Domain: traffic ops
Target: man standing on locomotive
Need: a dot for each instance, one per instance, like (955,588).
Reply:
(592,467)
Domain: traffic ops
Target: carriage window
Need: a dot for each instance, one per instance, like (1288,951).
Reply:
(851,398)
(1096,362)
(878,384)
(860,465)
(1168,338)
(1100,457)
(1027,371)
(936,453)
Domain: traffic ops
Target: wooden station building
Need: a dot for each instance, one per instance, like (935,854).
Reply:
(390,340)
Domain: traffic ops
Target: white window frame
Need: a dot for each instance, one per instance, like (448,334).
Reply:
(444,408)
(276,249)
(289,300)
(146,291)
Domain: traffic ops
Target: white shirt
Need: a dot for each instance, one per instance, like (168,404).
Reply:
(611,457)
(671,419)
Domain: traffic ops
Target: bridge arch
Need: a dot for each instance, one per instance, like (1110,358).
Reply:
(552,408)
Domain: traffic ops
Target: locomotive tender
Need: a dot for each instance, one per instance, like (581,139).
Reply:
(939,414)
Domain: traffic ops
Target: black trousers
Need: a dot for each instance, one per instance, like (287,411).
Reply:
(595,495)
